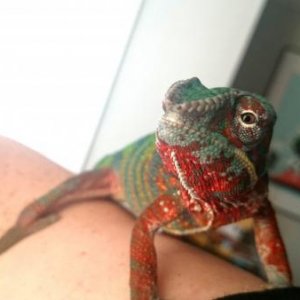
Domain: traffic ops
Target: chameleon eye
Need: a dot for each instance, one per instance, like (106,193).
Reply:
(248,118)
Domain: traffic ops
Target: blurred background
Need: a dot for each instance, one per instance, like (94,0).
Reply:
(66,66)
(82,78)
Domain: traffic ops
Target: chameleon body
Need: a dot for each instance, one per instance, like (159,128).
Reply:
(204,167)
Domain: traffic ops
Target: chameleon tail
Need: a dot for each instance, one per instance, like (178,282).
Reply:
(41,213)
(16,233)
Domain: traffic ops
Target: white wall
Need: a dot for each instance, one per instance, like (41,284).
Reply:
(174,39)
(58,59)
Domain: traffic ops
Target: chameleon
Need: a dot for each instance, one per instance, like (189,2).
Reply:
(204,167)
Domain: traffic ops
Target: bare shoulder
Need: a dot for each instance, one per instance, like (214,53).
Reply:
(64,259)
(24,175)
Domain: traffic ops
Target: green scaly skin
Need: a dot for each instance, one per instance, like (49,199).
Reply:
(204,167)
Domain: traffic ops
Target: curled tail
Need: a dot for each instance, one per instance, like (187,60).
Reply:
(42,212)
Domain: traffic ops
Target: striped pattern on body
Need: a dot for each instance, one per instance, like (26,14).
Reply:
(141,174)
(143,179)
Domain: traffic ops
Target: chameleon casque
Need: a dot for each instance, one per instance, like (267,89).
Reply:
(205,167)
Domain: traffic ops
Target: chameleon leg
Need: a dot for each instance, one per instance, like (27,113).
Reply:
(143,267)
(41,213)
(271,249)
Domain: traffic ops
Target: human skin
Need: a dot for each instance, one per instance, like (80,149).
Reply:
(86,254)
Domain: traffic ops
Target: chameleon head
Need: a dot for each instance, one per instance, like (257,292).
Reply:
(222,128)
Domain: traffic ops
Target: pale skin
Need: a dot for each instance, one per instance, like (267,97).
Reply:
(86,254)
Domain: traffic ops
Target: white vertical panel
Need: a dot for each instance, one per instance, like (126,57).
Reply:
(174,39)
(57,61)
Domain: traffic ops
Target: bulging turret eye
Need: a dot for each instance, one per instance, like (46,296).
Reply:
(248,118)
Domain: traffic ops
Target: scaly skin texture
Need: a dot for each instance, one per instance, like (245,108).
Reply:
(204,168)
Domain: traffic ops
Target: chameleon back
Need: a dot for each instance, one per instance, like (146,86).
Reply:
(140,174)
